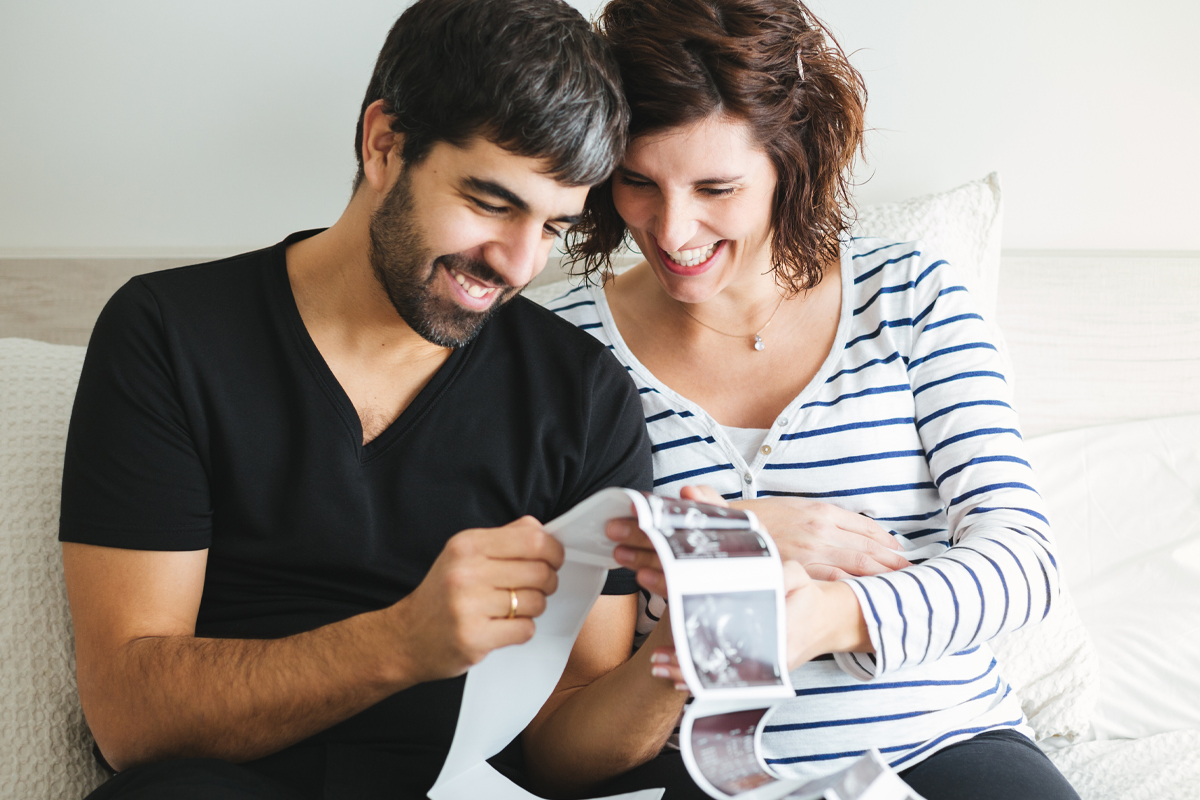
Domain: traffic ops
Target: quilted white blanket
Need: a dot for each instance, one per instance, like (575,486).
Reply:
(1162,767)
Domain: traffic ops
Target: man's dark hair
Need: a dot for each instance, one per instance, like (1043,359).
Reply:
(529,75)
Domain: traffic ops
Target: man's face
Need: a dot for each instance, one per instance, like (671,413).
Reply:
(460,233)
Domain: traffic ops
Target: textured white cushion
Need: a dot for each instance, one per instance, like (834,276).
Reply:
(1162,767)
(1052,667)
(45,748)
(1097,339)
(1125,504)
(961,225)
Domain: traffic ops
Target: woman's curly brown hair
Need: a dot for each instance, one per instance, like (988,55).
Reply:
(684,60)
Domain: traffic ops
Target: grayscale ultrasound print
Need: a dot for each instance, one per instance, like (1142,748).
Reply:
(687,514)
(723,747)
(733,639)
(717,543)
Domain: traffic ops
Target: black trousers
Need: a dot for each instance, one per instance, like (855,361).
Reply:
(999,765)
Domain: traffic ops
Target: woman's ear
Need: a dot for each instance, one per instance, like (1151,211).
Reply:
(381,148)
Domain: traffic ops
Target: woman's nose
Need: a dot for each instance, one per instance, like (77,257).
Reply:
(675,225)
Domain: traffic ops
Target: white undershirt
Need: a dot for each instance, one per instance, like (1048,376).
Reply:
(746,440)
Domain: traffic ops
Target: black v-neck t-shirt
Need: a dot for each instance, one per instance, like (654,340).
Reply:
(207,418)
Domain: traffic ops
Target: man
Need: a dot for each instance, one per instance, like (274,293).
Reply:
(302,485)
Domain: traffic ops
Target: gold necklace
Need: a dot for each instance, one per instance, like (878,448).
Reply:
(758,343)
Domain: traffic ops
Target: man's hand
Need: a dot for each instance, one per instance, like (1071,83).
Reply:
(460,612)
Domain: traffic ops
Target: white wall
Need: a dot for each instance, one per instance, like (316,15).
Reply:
(1090,109)
(140,126)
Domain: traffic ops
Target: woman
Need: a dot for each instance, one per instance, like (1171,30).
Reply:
(843,389)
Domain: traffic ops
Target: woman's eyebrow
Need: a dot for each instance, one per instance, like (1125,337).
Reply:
(633,174)
(701,182)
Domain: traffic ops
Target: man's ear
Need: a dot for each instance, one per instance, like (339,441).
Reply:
(381,148)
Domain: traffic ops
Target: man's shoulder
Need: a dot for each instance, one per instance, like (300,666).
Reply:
(222,279)
(201,296)
(548,331)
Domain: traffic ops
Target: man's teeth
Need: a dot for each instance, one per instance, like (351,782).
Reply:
(473,289)
(692,258)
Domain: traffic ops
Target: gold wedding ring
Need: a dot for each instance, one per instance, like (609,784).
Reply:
(512,603)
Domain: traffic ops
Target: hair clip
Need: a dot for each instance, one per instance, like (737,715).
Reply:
(800,64)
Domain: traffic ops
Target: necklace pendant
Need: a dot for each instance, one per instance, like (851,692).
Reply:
(758,343)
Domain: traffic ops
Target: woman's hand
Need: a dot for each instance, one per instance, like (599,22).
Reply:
(830,542)
(665,664)
(822,617)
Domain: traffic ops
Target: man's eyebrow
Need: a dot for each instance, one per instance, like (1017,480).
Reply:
(507,195)
(496,190)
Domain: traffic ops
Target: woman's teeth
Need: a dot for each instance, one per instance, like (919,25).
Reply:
(692,258)
(473,289)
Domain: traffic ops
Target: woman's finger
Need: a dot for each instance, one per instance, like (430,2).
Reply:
(824,572)
(860,556)
(703,493)
(857,523)
(665,664)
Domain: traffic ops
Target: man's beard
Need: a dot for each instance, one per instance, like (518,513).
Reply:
(407,269)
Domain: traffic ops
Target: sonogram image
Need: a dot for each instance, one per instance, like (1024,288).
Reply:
(723,748)
(717,543)
(732,637)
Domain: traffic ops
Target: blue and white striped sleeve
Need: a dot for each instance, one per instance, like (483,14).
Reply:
(1000,571)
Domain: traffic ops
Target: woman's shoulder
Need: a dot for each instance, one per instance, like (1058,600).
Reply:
(576,304)
(571,301)
(889,259)
(894,270)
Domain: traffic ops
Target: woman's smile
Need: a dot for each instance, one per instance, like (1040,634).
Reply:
(693,261)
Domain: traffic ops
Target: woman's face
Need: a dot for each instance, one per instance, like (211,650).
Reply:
(697,200)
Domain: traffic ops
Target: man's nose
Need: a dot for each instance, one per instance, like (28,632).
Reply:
(520,254)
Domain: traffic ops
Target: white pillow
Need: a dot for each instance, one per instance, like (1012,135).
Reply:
(1052,666)
(45,747)
(1124,501)
(961,225)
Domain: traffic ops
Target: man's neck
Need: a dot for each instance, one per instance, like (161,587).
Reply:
(341,300)
(380,362)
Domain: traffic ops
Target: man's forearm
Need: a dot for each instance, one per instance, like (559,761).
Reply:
(617,722)
(241,699)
